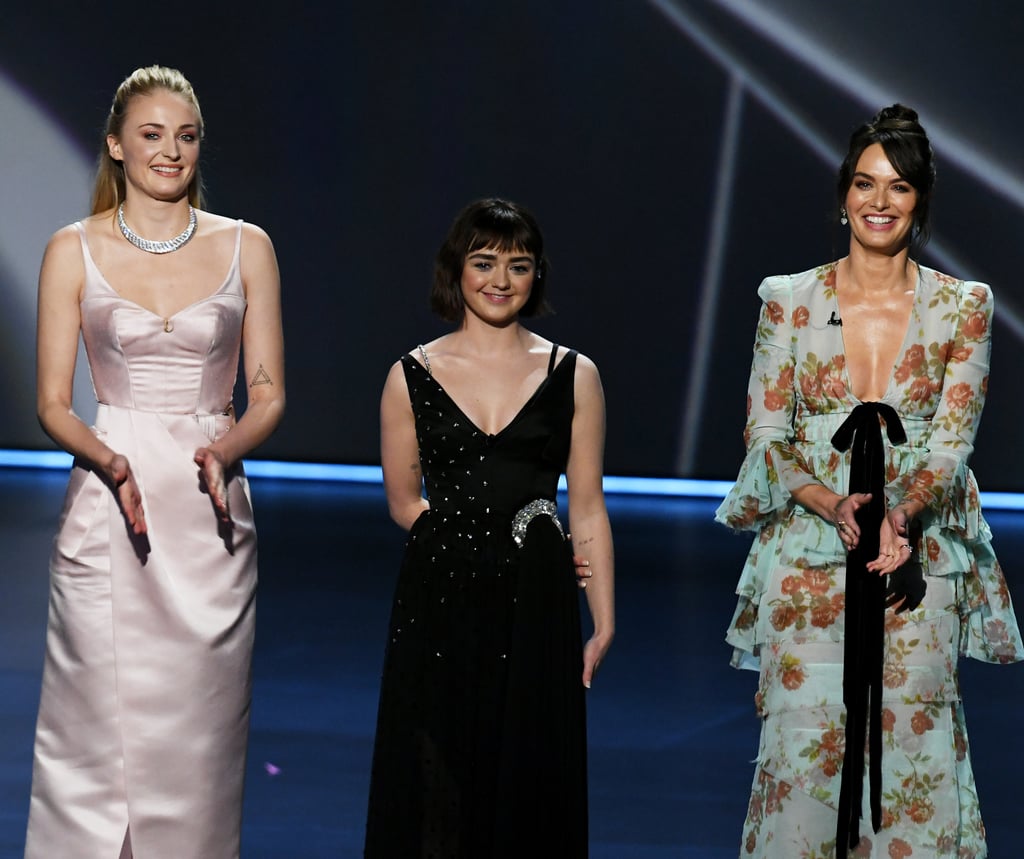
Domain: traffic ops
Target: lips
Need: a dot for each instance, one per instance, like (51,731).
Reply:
(879,220)
(167,171)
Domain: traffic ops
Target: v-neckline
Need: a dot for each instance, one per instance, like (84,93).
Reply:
(899,353)
(515,418)
(110,287)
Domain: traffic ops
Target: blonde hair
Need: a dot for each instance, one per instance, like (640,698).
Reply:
(109,188)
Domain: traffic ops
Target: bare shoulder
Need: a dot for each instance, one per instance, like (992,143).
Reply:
(587,381)
(254,238)
(256,253)
(438,349)
(66,240)
(396,391)
(254,235)
(64,254)
(586,370)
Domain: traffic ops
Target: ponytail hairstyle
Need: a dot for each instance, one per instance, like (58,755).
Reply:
(109,188)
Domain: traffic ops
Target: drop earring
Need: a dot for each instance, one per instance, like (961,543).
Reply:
(842,217)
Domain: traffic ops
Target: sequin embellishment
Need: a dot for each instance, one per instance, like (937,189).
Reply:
(522,519)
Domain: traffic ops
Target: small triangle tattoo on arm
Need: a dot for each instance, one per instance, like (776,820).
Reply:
(261,378)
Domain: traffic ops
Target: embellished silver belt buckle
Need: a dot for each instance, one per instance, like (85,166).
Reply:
(522,519)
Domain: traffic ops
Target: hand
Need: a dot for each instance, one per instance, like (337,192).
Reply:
(119,475)
(844,517)
(900,520)
(593,653)
(907,585)
(893,550)
(211,473)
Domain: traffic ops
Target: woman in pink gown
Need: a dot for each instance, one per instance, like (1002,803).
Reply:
(143,720)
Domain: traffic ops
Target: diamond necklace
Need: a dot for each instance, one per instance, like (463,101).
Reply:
(157,247)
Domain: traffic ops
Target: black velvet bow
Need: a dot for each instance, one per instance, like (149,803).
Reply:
(867,595)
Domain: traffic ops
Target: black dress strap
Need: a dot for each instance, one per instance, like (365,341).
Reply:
(864,641)
(554,354)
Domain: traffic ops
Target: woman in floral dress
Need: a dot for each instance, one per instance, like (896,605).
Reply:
(895,355)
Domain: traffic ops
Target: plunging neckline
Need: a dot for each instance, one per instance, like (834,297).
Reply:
(110,287)
(899,353)
(515,418)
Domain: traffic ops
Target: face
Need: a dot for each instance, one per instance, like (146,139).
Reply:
(158,145)
(880,203)
(496,284)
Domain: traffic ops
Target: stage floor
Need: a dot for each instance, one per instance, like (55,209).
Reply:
(672,726)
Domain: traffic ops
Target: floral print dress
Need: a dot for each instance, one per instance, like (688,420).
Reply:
(790,615)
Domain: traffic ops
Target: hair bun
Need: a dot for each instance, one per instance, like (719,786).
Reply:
(895,113)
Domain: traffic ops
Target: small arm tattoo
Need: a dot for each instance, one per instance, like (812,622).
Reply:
(261,377)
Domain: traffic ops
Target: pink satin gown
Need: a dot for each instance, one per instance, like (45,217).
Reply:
(143,721)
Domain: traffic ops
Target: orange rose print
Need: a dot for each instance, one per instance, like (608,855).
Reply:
(975,326)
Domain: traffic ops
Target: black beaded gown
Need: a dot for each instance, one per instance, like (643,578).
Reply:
(480,750)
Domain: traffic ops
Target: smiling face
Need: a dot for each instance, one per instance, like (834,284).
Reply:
(880,204)
(158,144)
(497,284)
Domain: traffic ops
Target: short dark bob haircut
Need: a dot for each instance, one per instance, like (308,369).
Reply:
(489,223)
(906,146)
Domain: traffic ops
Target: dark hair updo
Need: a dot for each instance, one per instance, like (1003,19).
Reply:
(489,223)
(907,147)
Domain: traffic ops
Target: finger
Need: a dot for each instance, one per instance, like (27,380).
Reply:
(897,602)
(221,500)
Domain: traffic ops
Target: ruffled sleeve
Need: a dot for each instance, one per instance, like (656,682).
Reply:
(942,481)
(772,468)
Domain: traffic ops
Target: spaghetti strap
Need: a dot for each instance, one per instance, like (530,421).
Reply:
(426,360)
(554,354)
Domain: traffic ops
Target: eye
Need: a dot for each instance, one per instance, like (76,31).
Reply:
(521,268)
(480,265)
(903,189)
(151,135)
(863,184)
(188,137)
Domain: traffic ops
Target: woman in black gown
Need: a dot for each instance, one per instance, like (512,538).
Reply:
(481,736)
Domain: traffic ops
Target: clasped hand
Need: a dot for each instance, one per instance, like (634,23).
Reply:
(906,585)
(893,546)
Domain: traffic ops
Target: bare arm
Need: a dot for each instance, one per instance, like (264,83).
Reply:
(58,323)
(263,352)
(588,516)
(399,451)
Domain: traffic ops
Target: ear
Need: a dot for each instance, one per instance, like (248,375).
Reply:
(114,148)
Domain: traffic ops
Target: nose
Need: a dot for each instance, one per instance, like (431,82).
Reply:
(500,277)
(171,148)
(880,199)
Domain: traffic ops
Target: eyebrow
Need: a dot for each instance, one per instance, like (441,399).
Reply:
(872,178)
(482,255)
(161,125)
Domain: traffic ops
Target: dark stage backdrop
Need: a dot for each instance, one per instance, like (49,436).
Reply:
(675,152)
